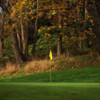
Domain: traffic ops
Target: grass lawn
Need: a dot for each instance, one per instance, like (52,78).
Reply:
(49,91)
(74,84)
(81,75)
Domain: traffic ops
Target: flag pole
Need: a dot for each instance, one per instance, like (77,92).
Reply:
(50,71)
(51,58)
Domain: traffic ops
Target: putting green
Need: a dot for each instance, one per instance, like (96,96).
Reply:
(49,91)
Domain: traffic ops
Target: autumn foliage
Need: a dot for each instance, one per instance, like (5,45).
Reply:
(33,27)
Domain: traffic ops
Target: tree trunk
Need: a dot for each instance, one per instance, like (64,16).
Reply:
(78,27)
(18,55)
(2,35)
(36,32)
(24,31)
(97,3)
(59,45)
(97,10)
(35,38)
(1,45)
(19,39)
(26,41)
(85,23)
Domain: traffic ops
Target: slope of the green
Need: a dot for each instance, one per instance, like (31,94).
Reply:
(86,75)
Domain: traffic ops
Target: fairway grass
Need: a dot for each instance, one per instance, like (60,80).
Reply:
(49,91)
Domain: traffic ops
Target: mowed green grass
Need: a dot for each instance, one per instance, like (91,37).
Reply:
(74,84)
(81,75)
(49,91)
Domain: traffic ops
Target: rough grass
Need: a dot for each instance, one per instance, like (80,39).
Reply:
(41,66)
(38,66)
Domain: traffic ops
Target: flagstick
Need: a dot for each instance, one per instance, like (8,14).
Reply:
(50,72)
(51,58)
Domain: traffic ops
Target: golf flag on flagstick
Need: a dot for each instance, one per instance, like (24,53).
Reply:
(50,55)
(51,58)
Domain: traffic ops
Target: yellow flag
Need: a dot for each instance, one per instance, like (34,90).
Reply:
(50,55)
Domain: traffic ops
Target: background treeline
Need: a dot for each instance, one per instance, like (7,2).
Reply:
(30,28)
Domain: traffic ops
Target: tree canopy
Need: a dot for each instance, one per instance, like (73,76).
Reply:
(30,28)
